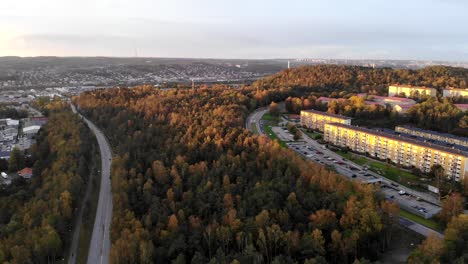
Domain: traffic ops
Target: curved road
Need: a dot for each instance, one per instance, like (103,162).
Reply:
(99,246)
(256,116)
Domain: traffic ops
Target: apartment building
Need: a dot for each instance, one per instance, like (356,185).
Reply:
(316,119)
(409,90)
(447,138)
(454,92)
(400,149)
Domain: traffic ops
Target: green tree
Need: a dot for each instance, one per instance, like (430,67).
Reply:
(16,161)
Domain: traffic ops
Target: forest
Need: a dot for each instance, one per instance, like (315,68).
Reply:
(36,216)
(333,79)
(191,185)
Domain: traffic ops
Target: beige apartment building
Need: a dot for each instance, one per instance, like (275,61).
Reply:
(453,92)
(409,90)
(447,138)
(316,119)
(400,149)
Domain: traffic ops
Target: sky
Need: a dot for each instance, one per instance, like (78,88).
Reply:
(248,29)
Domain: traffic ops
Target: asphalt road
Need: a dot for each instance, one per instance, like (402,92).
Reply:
(328,157)
(99,247)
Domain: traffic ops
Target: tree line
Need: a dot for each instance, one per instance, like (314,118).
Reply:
(36,216)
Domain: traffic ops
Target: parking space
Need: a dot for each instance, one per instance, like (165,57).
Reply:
(406,199)
(283,133)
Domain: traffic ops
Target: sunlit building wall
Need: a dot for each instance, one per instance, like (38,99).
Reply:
(410,90)
(316,119)
(401,150)
(452,92)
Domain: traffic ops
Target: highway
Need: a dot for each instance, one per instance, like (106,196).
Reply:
(99,247)
(313,151)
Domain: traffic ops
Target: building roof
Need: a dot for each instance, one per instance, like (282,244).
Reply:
(403,138)
(413,87)
(327,114)
(12,122)
(434,133)
(394,99)
(25,172)
(462,106)
(31,129)
(374,103)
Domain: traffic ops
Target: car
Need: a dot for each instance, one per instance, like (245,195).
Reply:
(394,184)
(354,176)
(401,192)
(340,163)
(392,196)
(309,155)
(319,153)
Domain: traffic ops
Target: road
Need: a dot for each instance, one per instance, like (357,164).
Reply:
(312,150)
(255,118)
(99,246)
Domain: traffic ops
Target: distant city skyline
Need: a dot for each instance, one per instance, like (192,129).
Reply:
(261,29)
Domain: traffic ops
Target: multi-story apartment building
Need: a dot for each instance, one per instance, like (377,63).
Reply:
(316,119)
(447,138)
(407,151)
(409,90)
(453,92)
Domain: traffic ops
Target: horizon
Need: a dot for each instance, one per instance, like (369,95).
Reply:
(420,30)
(227,58)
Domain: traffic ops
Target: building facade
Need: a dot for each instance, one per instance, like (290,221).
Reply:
(452,92)
(405,151)
(409,90)
(316,120)
(447,138)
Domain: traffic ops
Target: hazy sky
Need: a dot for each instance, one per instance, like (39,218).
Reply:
(359,29)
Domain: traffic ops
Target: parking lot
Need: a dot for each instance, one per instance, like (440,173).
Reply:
(407,199)
(283,133)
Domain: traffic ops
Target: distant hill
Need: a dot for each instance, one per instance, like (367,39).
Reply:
(362,79)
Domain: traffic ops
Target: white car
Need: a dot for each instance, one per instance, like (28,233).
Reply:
(309,155)
(401,192)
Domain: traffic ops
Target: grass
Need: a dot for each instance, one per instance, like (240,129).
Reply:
(270,118)
(273,136)
(350,156)
(314,135)
(254,127)
(431,223)
(387,170)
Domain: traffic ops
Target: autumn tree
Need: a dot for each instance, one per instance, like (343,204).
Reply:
(451,207)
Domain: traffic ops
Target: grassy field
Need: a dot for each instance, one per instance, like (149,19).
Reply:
(268,117)
(431,223)
(273,136)
(314,135)
(354,158)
